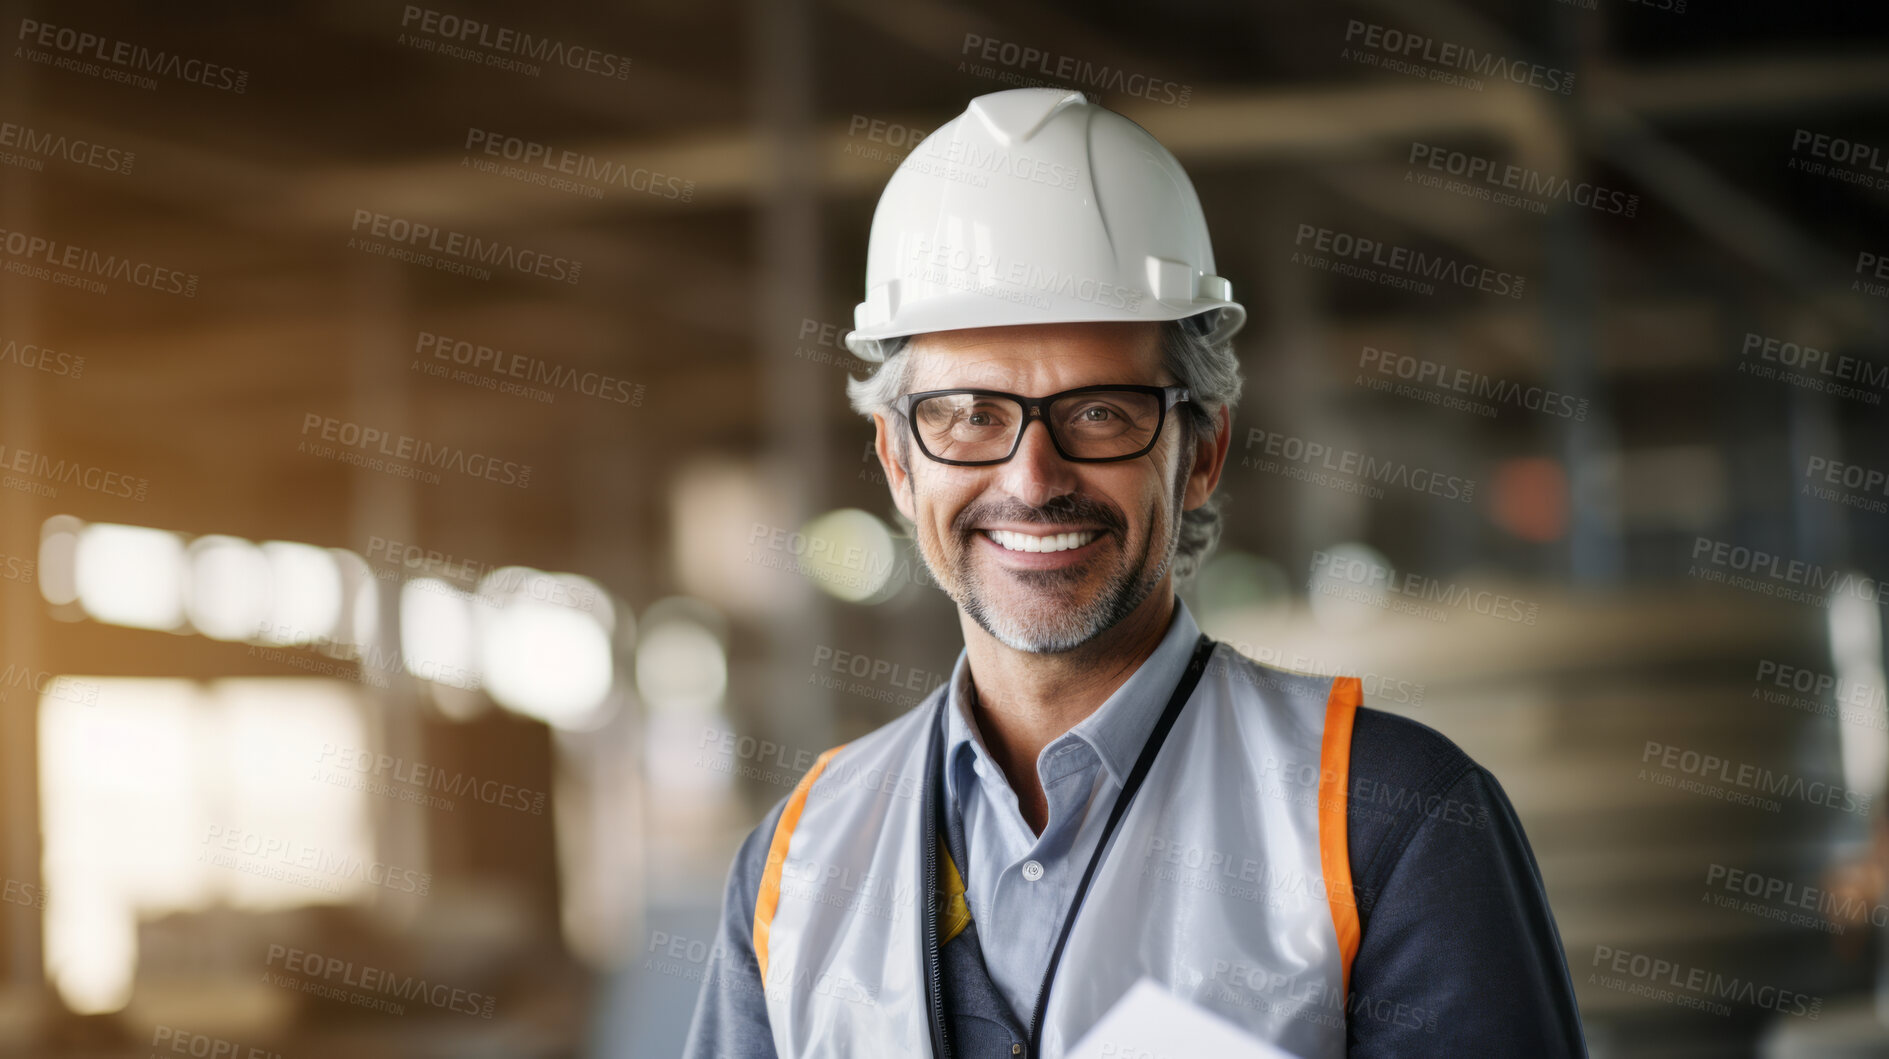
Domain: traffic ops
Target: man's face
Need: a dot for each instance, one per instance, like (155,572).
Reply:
(967,518)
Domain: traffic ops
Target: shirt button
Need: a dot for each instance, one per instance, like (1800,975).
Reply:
(1032,870)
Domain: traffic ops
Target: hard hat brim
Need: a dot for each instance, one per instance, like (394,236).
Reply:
(966,310)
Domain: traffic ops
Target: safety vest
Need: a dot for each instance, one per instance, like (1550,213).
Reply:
(1227,880)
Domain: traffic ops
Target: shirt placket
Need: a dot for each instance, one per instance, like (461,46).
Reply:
(1033,890)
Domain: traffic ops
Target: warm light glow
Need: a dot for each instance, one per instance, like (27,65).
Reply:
(681,666)
(1855,628)
(58,553)
(436,633)
(546,661)
(721,507)
(361,603)
(850,554)
(130,575)
(121,815)
(682,674)
(1347,590)
(157,796)
(276,746)
(305,593)
(228,589)
(1529,498)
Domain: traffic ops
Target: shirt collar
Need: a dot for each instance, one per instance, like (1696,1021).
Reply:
(1118,728)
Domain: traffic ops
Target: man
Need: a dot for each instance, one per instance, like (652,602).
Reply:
(1100,793)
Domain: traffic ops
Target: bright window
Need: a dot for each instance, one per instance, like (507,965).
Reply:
(161,796)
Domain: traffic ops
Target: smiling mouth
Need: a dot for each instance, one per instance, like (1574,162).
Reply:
(1010,540)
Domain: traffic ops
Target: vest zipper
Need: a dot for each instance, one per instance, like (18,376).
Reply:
(934,977)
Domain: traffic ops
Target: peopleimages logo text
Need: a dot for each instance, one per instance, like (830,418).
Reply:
(71,472)
(129,56)
(40,143)
(1337,570)
(379,982)
(1415,46)
(433,777)
(466,247)
(1816,369)
(35,250)
(1793,579)
(471,32)
(1840,151)
(1273,446)
(1067,69)
(1474,384)
(540,160)
(1414,263)
(424,453)
(1704,984)
(536,370)
(1754,777)
(1522,180)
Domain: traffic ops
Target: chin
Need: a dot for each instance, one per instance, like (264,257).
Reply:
(1052,629)
(1039,644)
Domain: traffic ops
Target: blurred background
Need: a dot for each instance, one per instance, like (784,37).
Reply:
(433,531)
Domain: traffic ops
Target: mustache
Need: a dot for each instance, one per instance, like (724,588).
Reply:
(1061,509)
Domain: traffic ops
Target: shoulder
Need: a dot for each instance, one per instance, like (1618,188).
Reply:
(886,762)
(744,876)
(873,763)
(1236,670)
(1455,920)
(1390,748)
(1407,780)
(869,763)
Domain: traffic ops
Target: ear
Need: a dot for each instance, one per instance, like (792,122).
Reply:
(896,477)
(1210,457)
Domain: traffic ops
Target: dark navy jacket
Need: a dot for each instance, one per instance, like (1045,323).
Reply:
(1459,954)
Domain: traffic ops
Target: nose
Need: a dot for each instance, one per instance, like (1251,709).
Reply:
(1037,473)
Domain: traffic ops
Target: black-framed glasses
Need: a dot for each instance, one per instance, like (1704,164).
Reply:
(1089,424)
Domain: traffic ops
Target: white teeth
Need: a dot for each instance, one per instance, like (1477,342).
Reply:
(1055,542)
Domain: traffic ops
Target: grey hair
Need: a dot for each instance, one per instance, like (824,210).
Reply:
(1209,370)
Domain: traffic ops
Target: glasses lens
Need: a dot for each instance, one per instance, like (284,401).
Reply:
(1104,424)
(1098,425)
(966,426)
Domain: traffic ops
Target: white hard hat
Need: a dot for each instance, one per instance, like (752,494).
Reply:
(1035,206)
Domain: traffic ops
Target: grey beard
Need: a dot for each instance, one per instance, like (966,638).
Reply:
(1071,628)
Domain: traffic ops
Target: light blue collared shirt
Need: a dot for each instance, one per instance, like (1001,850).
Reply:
(1019,884)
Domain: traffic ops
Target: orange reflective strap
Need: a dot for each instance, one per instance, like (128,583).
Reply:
(1341,707)
(769,898)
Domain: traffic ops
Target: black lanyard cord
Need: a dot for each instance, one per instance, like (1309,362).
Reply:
(1196,666)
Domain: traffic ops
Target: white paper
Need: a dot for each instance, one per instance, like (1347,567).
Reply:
(1148,1022)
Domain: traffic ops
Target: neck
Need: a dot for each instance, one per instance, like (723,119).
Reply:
(1023,701)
